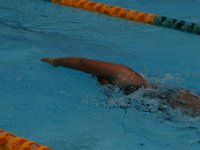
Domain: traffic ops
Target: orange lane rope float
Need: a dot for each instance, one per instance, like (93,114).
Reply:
(133,15)
(107,9)
(9,141)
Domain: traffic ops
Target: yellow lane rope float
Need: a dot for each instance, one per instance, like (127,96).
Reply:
(9,141)
(134,15)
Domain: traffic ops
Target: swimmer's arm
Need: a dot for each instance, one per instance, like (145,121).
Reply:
(94,67)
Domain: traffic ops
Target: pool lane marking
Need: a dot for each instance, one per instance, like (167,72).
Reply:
(133,15)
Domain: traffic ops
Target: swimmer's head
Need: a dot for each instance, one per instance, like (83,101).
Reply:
(130,89)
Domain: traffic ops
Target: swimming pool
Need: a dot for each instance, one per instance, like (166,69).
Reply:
(65,109)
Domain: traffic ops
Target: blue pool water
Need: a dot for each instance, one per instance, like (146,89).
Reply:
(66,109)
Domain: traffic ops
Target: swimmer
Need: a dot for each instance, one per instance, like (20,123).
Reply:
(126,79)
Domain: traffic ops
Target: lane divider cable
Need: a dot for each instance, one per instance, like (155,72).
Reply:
(133,15)
(9,141)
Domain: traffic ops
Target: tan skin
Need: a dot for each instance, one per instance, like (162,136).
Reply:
(121,76)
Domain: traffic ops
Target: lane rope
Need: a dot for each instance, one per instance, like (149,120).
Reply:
(133,15)
(9,141)
(107,9)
